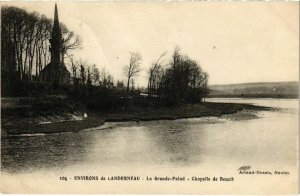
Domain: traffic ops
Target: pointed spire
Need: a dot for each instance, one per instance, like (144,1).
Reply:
(56,41)
(56,21)
(55,11)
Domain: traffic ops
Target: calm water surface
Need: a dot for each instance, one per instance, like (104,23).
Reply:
(264,142)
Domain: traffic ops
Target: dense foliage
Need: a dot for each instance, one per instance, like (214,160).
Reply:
(183,81)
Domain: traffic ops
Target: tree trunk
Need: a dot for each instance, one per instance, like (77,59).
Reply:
(128,84)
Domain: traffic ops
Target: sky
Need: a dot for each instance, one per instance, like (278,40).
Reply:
(235,42)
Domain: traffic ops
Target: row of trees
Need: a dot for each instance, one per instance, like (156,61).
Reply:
(180,81)
(25,43)
(25,52)
(85,74)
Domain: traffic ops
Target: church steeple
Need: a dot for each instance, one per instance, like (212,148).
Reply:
(56,21)
(55,13)
(56,38)
(56,45)
(56,71)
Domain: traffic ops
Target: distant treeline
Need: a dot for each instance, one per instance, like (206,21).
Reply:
(277,96)
(257,90)
(179,81)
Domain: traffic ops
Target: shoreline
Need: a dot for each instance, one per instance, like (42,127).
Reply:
(95,119)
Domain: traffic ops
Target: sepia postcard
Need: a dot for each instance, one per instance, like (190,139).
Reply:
(150,97)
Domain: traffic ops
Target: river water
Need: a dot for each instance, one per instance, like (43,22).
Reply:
(196,147)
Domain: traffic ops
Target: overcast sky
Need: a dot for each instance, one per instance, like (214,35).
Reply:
(234,42)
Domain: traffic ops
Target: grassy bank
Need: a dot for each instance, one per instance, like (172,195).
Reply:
(172,113)
(55,127)
(15,126)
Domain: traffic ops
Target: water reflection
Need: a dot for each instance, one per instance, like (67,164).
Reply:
(176,143)
(161,143)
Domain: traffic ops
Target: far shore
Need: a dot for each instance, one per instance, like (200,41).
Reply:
(96,119)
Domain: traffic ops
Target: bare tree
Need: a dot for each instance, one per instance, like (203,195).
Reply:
(89,76)
(133,68)
(106,79)
(95,75)
(70,41)
(74,68)
(83,67)
(120,84)
(26,36)
(184,81)
(155,76)
(132,84)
